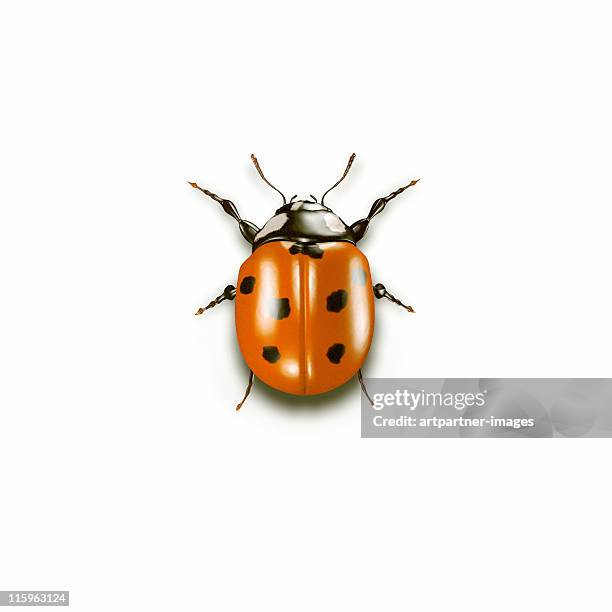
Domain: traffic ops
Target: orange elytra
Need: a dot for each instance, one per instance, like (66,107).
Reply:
(305,298)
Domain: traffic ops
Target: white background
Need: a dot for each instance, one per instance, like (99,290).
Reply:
(127,477)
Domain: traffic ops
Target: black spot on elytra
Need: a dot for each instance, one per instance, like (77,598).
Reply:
(337,300)
(271,353)
(359,276)
(279,308)
(247,285)
(307,248)
(335,352)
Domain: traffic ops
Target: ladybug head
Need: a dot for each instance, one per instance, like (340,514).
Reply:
(304,220)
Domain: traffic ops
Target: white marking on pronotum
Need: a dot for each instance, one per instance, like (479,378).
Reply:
(274,224)
(333,222)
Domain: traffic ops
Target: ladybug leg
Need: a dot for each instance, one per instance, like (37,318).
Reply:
(363,387)
(229,293)
(247,229)
(380,291)
(359,227)
(248,390)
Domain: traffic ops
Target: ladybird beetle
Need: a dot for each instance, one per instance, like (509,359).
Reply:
(305,298)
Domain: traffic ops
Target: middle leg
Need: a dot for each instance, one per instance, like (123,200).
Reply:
(380,291)
(229,293)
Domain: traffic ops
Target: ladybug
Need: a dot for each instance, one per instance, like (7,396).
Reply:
(305,298)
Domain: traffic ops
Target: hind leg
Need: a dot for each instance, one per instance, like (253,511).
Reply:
(248,390)
(363,387)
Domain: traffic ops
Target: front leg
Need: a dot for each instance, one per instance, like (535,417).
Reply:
(359,227)
(247,229)
(380,291)
(229,293)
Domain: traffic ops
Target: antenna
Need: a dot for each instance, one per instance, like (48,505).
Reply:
(256,163)
(348,167)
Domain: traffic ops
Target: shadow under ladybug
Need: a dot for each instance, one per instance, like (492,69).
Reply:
(305,298)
